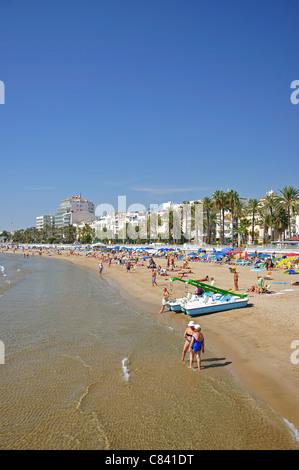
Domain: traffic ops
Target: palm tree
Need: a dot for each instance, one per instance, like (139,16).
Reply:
(242,230)
(232,200)
(69,233)
(265,220)
(290,201)
(270,206)
(280,220)
(239,214)
(208,207)
(211,231)
(86,234)
(220,201)
(252,209)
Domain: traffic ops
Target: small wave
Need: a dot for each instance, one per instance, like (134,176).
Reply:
(18,270)
(293,430)
(79,359)
(125,369)
(2,269)
(81,396)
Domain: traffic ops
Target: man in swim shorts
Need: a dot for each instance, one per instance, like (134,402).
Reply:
(165,298)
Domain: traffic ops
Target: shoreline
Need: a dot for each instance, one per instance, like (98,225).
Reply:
(254,341)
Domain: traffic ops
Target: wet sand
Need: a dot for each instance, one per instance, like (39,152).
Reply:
(256,341)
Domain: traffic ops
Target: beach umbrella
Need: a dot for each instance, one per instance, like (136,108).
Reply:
(291,271)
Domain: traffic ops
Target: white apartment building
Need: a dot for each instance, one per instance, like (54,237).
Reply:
(74,210)
(44,221)
(118,224)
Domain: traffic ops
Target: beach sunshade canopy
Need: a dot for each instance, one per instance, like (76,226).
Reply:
(291,271)
(293,239)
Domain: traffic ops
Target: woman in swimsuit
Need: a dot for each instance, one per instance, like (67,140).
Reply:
(197,345)
(188,335)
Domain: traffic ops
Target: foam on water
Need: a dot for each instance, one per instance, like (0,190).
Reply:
(293,429)
(125,369)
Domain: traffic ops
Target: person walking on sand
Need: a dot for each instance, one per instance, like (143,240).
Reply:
(154,275)
(100,268)
(236,279)
(128,266)
(165,298)
(188,335)
(196,346)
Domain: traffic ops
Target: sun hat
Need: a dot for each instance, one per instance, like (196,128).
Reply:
(197,327)
(191,323)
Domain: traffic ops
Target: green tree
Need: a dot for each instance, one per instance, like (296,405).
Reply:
(280,220)
(289,199)
(5,235)
(86,234)
(208,208)
(243,230)
(239,215)
(252,209)
(221,202)
(265,220)
(69,233)
(232,201)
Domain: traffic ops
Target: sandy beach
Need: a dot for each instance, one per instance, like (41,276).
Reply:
(256,341)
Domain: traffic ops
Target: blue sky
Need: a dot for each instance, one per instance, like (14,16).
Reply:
(155,100)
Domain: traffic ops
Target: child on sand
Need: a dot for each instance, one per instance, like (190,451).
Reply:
(154,275)
(236,279)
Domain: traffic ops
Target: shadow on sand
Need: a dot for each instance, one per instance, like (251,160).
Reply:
(214,362)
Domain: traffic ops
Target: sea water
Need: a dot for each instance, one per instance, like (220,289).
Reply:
(86,368)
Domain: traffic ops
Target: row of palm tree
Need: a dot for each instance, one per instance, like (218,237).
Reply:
(275,212)
(52,235)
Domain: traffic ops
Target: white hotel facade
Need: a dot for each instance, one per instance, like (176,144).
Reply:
(73,210)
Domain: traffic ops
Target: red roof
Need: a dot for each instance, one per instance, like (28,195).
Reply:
(293,239)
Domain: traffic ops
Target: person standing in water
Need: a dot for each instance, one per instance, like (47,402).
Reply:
(188,335)
(197,345)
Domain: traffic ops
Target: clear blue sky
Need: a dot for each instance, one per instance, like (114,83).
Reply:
(156,100)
